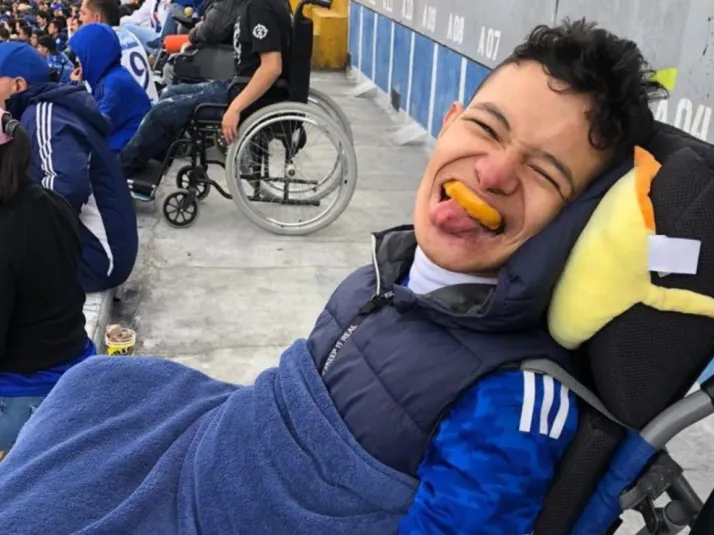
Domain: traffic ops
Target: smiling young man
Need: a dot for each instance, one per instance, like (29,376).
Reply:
(404,410)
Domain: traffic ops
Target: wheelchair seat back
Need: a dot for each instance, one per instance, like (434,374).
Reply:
(644,360)
(204,63)
(300,61)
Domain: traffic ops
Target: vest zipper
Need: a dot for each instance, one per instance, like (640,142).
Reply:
(377,302)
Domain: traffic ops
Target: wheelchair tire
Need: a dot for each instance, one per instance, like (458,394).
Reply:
(183,182)
(331,109)
(180,209)
(346,183)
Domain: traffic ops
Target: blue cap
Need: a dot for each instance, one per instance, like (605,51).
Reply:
(20,60)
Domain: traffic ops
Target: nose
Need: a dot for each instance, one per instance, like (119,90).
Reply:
(497,173)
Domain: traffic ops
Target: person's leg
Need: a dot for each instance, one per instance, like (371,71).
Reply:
(144,35)
(164,122)
(14,412)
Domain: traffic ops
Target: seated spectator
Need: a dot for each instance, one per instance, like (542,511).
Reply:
(57,61)
(260,57)
(34,38)
(405,410)
(133,55)
(57,9)
(117,93)
(41,321)
(24,33)
(57,29)
(217,24)
(70,156)
(43,19)
(148,22)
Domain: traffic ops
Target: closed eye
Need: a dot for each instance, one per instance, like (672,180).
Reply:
(550,179)
(483,126)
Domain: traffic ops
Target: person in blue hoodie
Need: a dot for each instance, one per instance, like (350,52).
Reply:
(58,62)
(404,410)
(118,94)
(70,155)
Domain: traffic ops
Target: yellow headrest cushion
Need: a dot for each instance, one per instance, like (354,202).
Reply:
(607,272)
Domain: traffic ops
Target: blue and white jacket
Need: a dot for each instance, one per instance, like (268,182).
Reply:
(70,155)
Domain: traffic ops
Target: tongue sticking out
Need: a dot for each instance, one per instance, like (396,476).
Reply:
(450,217)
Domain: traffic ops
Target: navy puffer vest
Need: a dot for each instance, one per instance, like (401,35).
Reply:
(394,362)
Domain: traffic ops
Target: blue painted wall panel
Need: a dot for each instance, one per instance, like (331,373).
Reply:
(354,33)
(475,74)
(367,41)
(421,79)
(448,76)
(384,41)
(400,68)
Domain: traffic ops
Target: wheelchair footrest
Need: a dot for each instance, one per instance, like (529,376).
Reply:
(286,202)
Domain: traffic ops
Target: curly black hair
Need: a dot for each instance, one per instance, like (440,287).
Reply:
(611,70)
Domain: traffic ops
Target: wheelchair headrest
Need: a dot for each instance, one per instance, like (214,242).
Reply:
(650,334)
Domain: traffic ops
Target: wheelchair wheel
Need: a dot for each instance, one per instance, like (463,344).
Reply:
(183,181)
(331,109)
(271,169)
(180,209)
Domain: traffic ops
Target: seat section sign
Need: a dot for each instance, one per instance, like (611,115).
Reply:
(481,30)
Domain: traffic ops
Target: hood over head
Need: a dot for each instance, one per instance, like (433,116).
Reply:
(525,283)
(74,98)
(98,49)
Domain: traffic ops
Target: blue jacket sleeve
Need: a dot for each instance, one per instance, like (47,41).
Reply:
(59,161)
(489,466)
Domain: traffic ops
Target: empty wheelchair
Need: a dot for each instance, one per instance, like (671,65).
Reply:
(289,157)
(639,368)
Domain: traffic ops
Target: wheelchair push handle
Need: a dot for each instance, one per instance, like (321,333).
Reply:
(327,4)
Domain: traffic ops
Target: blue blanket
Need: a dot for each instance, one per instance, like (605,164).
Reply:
(142,445)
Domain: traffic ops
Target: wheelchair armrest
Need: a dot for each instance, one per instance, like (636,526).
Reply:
(183,20)
(245,80)
(206,106)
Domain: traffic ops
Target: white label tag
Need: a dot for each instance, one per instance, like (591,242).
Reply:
(673,255)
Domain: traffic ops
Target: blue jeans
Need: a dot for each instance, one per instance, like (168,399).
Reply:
(163,124)
(14,412)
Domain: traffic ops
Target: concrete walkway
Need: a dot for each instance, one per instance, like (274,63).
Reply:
(226,298)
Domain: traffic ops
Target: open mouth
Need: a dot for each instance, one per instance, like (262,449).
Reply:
(475,207)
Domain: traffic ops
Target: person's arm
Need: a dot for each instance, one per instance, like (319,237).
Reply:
(267,41)
(489,466)
(59,162)
(141,16)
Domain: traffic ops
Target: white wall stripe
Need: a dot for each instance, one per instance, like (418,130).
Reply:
(432,89)
(360,37)
(528,407)
(462,80)
(390,73)
(411,73)
(374,47)
(548,396)
(562,415)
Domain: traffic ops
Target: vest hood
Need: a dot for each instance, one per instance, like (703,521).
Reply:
(525,284)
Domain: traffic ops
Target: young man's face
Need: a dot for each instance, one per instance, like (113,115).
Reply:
(87,14)
(33,40)
(43,50)
(51,29)
(523,149)
(41,21)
